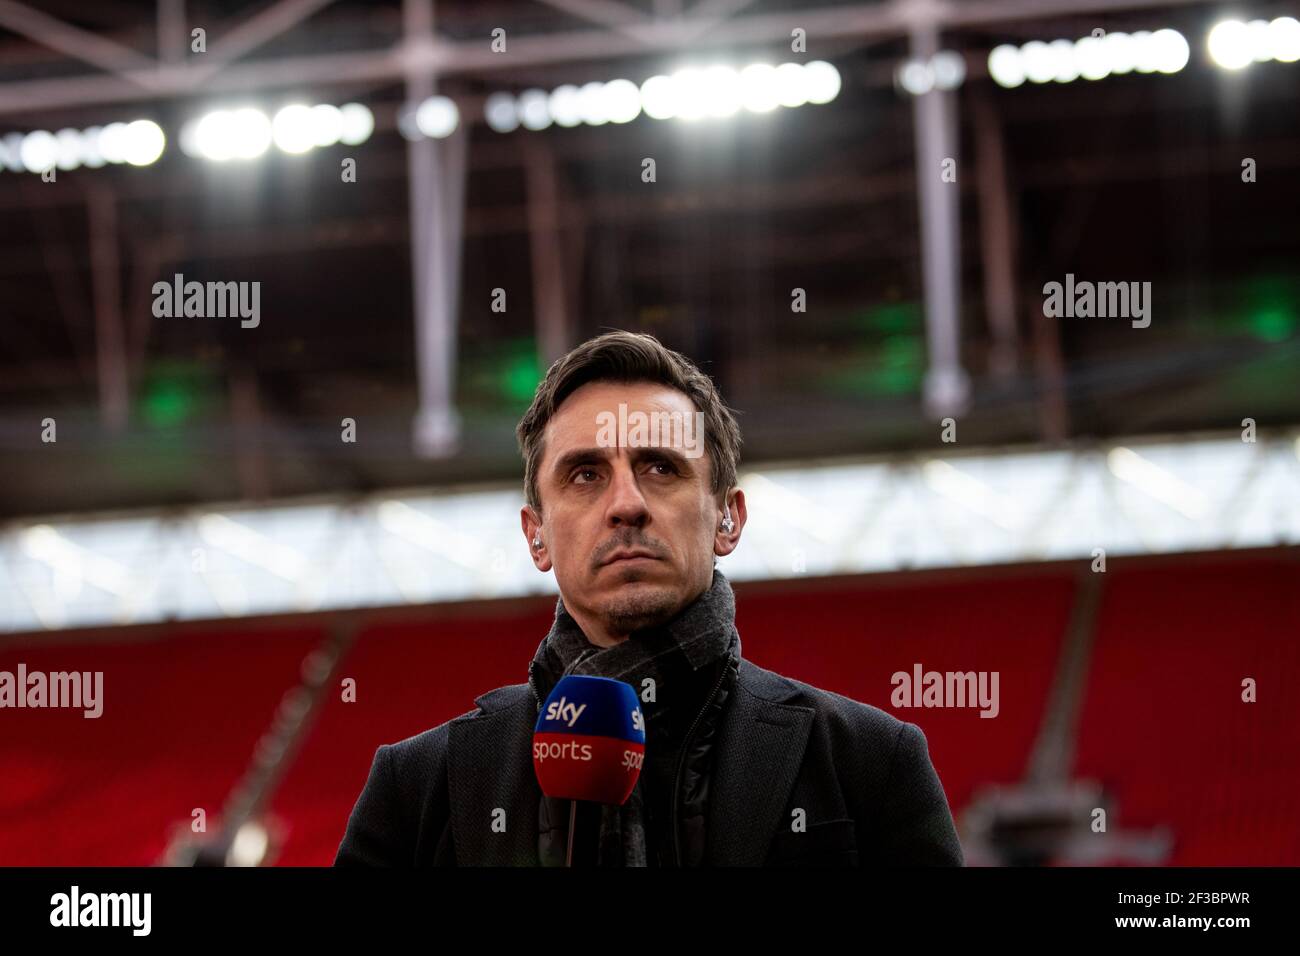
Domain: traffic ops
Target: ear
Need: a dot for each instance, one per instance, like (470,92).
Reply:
(531,522)
(725,542)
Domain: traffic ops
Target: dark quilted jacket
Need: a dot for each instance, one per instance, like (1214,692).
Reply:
(797,776)
(713,686)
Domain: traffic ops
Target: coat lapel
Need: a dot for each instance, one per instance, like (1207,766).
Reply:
(760,749)
(489,766)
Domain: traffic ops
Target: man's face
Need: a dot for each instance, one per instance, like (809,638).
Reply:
(630,531)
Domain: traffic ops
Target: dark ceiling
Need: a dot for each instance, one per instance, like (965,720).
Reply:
(1128,178)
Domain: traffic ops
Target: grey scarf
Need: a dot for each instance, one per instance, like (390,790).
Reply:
(701,633)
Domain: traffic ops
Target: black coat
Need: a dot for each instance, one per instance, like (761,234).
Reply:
(863,780)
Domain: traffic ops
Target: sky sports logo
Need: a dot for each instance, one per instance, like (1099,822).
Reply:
(544,750)
(564,711)
(554,750)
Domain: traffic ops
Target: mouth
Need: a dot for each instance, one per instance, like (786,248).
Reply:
(626,556)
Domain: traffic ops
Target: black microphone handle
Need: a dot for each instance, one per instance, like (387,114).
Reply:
(573,825)
(584,850)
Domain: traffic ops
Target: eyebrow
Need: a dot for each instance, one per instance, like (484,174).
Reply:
(591,456)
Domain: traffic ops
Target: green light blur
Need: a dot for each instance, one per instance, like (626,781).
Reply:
(889,357)
(166,403)
(1271,308)
(520,374)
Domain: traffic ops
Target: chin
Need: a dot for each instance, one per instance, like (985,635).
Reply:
(637,604)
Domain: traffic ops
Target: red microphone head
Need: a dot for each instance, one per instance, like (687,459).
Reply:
(589,741)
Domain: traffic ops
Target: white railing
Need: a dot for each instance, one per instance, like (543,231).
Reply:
(919,511)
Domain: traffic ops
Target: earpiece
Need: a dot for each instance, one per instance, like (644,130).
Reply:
(727,523)
(537,542)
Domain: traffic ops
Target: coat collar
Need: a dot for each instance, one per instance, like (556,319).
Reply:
(494,794)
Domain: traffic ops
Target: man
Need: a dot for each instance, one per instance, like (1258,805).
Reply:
(742,766)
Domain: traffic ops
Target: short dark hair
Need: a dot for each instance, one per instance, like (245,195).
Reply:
(629,357)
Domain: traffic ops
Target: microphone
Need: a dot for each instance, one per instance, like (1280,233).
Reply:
(589,744)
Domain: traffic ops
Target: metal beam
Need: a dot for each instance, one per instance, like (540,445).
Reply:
(947,386)
(607,13)
(110,347)
(546,251)
(444,58)
(709,14)
(437,169)
(997,236)
(173,38)
(74,42)
(258,29)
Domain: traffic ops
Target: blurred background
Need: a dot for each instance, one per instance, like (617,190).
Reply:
(845,212)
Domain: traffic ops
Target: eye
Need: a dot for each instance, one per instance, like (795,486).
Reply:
(664,463)
(578,473)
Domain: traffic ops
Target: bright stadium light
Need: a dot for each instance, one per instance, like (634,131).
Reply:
(40,150)
(1284,39)
(591,104)
(948,67)
(250,132)
(691,93)
(946,70)
(500,112)
(222,135)
(720,86)
(1040,62)
(91,157)
(688,86)
(139,143)
(1260,41)
(1090,58)
(214,136)
(358,124)
(69,149)
(1229,44)
(1171,50)
(1067,68)
(437,117)
(1144,52)
(112,142)
(823,83)
(1007,66)
(327,122)
(622,101)
(535,110)
(294,129)
(1121,53)
(916,77)
(565,105)
(760,87)
(189,137)
(791,88)
(144,142)
(1090,55)
(1234,45)
(658,97)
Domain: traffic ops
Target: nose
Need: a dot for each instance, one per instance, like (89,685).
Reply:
(627,506)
